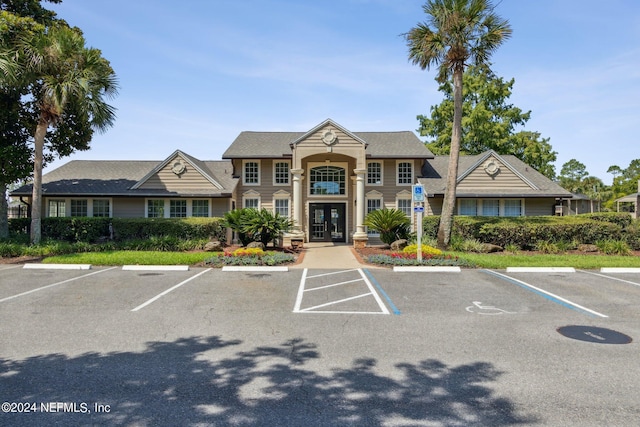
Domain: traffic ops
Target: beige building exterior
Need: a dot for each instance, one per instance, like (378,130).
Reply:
(326,180)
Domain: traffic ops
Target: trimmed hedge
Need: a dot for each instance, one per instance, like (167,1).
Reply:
(526,232)
(84,229)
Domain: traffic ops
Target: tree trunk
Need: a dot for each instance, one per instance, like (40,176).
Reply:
(449,202)
(36,202)
(4,213)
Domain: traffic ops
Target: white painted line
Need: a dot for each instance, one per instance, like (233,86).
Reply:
(546,294)
(619,270)
(335,302)
(253,268)
(332,285)
(37,266)
(155,267)
(296,307)
(332,273)
(340,312)
(54,284)
(169,290)
(10,267)
(541,270)
(426,269)
(612,278)
(373,292)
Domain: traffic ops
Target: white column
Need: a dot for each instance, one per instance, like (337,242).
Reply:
(361,205)
(297,198)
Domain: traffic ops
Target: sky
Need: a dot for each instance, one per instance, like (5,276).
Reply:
(194,74)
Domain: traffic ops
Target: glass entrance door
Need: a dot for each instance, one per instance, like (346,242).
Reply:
(327,222)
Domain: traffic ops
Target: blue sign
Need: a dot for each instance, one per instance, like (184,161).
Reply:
(419,209)
(418,193)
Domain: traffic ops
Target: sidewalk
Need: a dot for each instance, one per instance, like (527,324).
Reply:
(328,255)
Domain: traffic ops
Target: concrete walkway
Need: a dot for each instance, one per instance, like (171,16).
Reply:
(328,255)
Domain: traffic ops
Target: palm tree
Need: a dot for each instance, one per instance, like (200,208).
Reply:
(66,77)
(457,33)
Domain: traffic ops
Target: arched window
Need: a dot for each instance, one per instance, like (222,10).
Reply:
(327,180)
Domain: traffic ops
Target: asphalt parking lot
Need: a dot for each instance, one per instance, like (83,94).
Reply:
(313,347)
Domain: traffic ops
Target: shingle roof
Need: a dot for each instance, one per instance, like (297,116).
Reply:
(434,177)
(117,177)
(403,144)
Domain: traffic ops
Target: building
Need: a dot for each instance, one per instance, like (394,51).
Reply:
(326,180)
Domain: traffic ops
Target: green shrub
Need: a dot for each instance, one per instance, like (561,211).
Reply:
(392,224)
(613,247)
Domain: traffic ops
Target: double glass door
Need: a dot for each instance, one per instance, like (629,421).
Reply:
(327,222)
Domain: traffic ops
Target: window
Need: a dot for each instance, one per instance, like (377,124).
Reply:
(491,207)
(374,173)
(251,203)
(177,209)
(468,207)
(281,173)
(281,207)
(155,208)
(513,207)
(200,208)
(405,173)
(405,205)
(57,208)
(373,205)
(251,173)
(327,180)
(79,208)
(101,208)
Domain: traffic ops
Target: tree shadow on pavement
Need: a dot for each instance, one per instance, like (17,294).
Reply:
(202,381)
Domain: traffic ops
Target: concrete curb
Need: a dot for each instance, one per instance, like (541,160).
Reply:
(155,267)
(426,269)
(252,268)
(620,270)
(35,266)
(541,270)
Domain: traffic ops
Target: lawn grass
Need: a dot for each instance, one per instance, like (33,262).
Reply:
(131,258)
(587,262)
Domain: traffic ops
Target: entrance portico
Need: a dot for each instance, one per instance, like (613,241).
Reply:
(326,204)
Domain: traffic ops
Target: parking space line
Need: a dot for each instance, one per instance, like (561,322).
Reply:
(384,294)
(372,292)
(546,294)
(375,294)
(143,305)
(610,277)
(332,285)
(55,284)
(335,302)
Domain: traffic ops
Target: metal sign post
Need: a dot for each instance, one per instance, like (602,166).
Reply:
(418,208)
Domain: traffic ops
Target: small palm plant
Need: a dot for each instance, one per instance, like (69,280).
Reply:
(392,224)
(265,225)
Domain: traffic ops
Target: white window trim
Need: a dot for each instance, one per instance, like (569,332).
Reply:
(281,195)
(413,173)
(373,195)
(90,205)
(251,194)
(244,173)
(377,184)
(342,165)
(501,208)
(190,208)
(275,184)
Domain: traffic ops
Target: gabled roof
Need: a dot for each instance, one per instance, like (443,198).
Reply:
(328,122)
(104,178)
(434,176)
(195,163)
(269,145)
